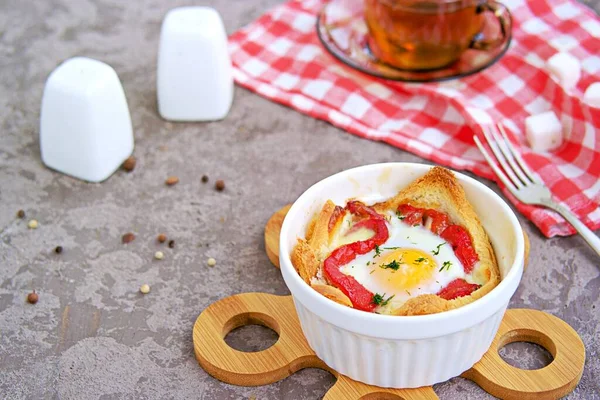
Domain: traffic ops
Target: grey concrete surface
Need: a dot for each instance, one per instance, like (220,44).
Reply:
(92,335)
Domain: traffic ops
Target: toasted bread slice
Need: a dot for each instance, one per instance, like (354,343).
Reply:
(305,260)
(310,253)
(440,190)
(333,293)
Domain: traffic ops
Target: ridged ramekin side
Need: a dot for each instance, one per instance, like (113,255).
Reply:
(397,363)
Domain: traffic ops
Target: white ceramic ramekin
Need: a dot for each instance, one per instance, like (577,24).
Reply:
(393,351)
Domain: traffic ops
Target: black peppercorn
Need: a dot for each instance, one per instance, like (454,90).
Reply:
(32,297)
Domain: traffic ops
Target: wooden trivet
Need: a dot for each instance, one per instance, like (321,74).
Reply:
(292,353)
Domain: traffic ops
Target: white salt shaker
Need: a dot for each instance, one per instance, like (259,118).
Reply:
(194,75)
(85,127)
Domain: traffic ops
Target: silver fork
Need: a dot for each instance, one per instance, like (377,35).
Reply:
(524,184)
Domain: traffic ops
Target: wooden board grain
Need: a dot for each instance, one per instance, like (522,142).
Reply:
(291,353)
(273,228)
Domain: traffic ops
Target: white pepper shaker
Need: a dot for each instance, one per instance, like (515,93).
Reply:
(194,75)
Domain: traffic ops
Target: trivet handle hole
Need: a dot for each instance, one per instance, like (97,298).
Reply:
(289,353)
(261,327)
(251,322)
(553,381)
(538,342)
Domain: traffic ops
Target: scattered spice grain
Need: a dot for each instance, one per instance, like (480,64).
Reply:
(21,214)
(32,297)
(171,244)
(204,178)
(162,238)
(211,262)
(145,289)
(128,238)
(129,164)
(159,255)
(172,180)
(32,224)
(58,249)
(220,185)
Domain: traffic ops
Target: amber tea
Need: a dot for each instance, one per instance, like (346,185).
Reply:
(421,35)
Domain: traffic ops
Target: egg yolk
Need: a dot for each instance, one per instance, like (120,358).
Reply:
(403,269)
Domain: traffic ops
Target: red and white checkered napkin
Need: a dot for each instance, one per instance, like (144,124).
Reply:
(280,57)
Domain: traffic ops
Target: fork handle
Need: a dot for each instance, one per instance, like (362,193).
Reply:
(589,236)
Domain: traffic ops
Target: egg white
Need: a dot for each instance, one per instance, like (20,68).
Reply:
(404,236)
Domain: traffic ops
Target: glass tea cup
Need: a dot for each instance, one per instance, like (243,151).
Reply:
(431,34)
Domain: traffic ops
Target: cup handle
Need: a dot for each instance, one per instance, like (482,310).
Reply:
(501,12)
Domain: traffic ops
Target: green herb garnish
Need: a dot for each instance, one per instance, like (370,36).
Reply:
(393,265)
(380,300)
(420,259)
(377,251)
(400,216)
(437,250)
(446,266)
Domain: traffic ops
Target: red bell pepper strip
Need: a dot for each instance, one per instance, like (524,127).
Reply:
(411,215)
(358,208)
(457,288)
(439,221)
(361,297)
(461,243)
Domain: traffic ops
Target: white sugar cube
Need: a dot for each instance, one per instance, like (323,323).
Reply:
(592,95)
(565,68)
(543,131)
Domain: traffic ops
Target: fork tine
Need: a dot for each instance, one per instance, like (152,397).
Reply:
(518,157)
(501,160)
(509,185)
(503,144)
